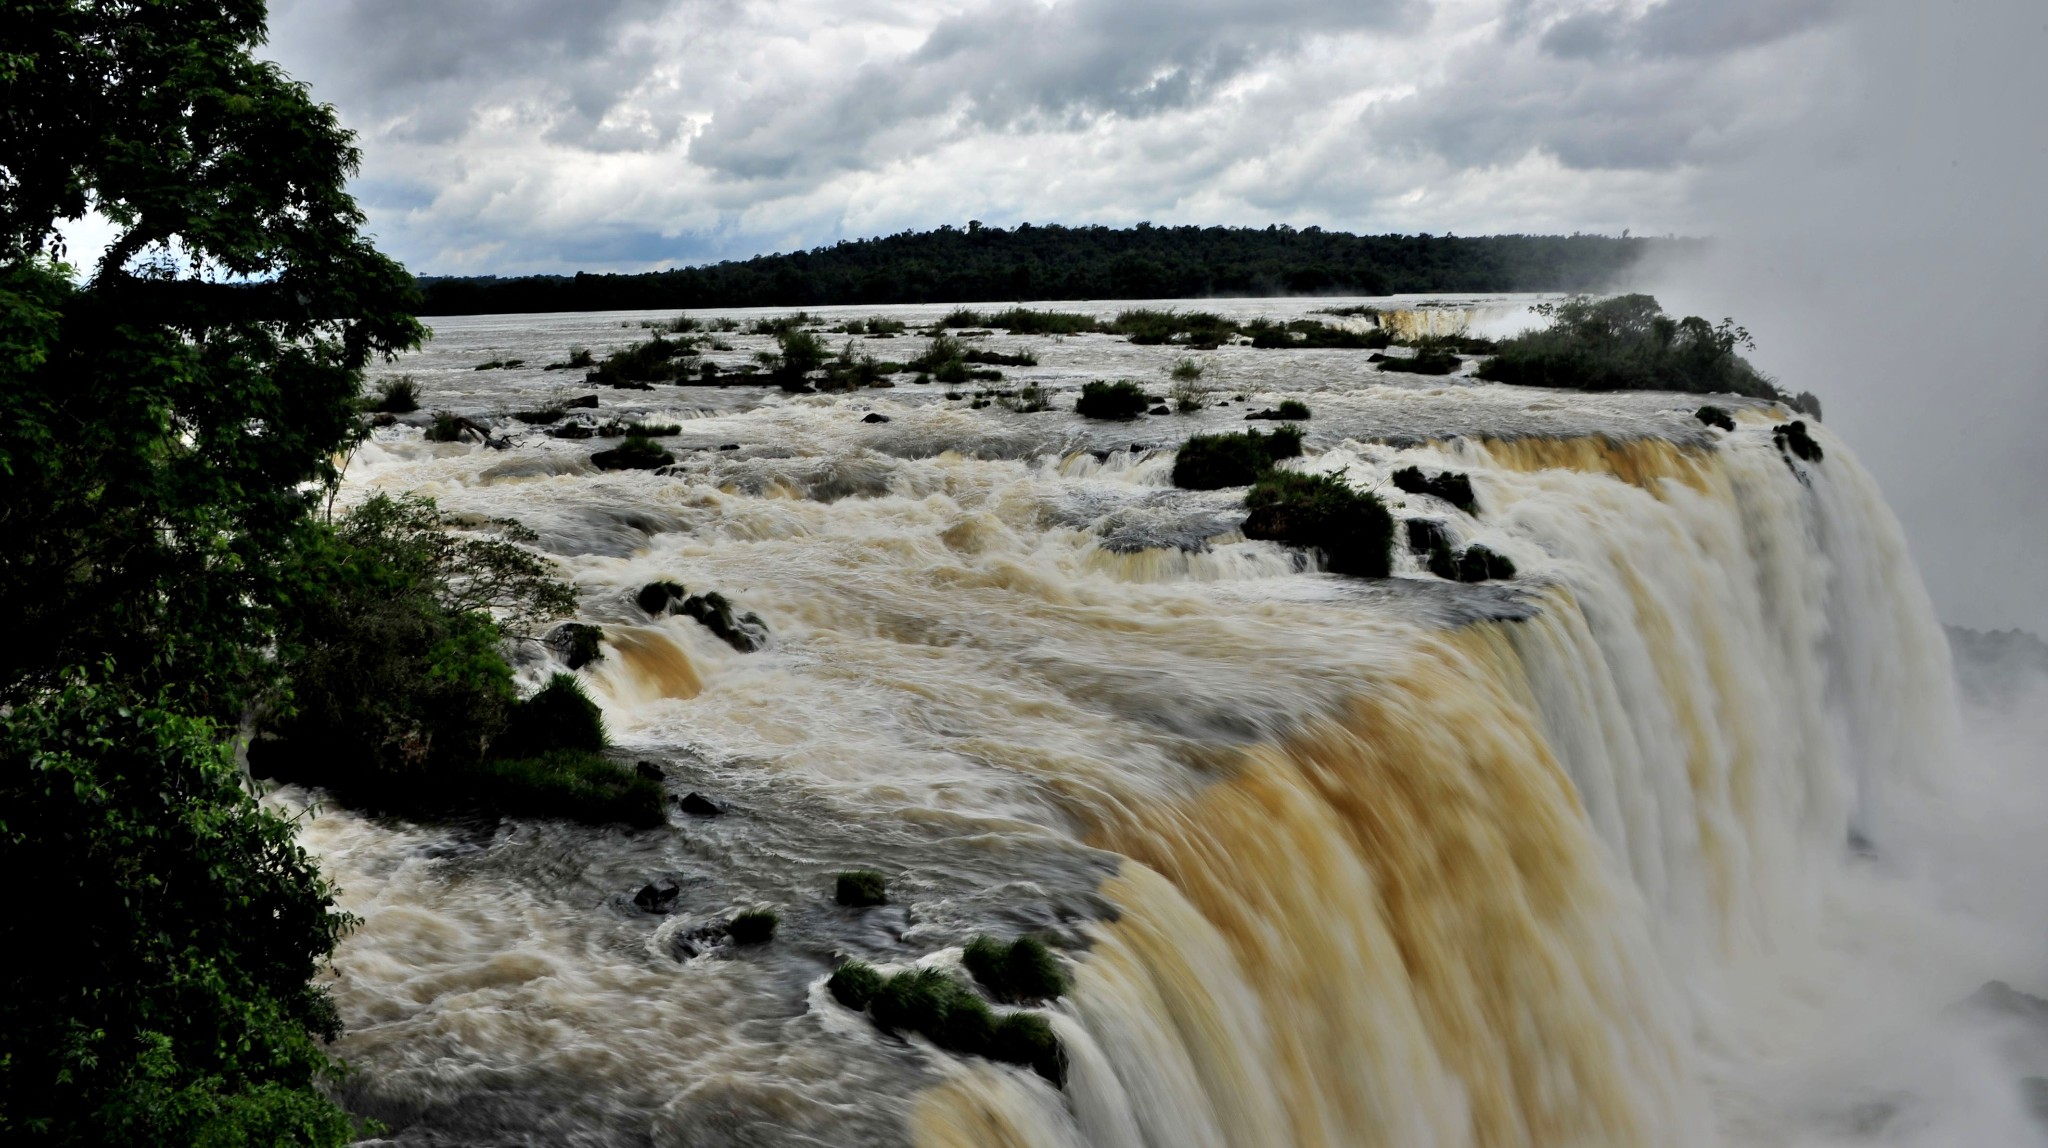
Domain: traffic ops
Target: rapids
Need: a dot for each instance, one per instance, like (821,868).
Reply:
(1570,860)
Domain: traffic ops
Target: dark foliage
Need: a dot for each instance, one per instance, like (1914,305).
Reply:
(1023,970)
(658,360)
(637,453)
(567,784)
(1351,527)
(175,1005)
(860,888)
(1216,461)
(1448,485)
(1628,343)
(1197,329)
(1039,262)
(1293,410)
(854,984)
(398,395)
(1026,1039)
(753,927)
(1426,535)
(447,427)
(1423,363)
(1475,564)
(579,359)
(1122,400)
(1715,417)
(1313,335)
(559,716)
(578,643)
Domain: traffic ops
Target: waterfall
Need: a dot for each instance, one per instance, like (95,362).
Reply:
(1330,861)
(1467,907)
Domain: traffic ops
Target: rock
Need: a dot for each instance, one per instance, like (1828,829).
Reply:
(1375,357)
(1792,438)
(1426,534)
(746,633)
(655,598)
(697,805)
(1714,416)
(573,430)
(658,896)
(634,454)
(875,418)
(1159,410)
(587,402)
(730,446)
(383,419)
(649,770)
(576,643)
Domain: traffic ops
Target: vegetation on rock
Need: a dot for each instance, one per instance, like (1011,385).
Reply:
(1216,461)
(1351,527)
(1122,400)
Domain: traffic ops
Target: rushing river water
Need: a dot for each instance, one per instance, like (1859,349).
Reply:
(1584,858)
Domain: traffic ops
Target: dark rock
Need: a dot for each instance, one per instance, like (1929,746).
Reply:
(1375,357)
(1426,535)
(1159,410)
(573,430)
(697,805)
(1714,416)
(875,418)
(587,402)
(383,419)
(577,643)
(1792,438)
(657,897)
(1450,486)
(656,598)
(745,633)
(636,453)
(730,446)
(649,770)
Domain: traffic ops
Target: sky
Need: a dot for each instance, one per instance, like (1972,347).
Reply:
(1868,170)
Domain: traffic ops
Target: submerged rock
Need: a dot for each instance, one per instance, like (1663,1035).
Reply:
(657,896)
(697,805)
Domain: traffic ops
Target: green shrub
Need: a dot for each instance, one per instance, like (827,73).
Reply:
(1216,461)
(636,453)
(653,430)
(780,325)
(1029,399)
(1715,417)
(1019,321)
(576,785)
(914,1001)
(447,427)
(1023,970)
(1122,400)
(559,716)
(1351,527)
(1627,343)
(1460,344)
(753,927)
(1806,403)
(943,349)
(854,984)
(1450,486)
(399,395)
(1199,329)
(655,598)
(1024,1038)
(1475,564)
(658,360)
(579,358)
(1292,409)
(1423,363)
(860,888)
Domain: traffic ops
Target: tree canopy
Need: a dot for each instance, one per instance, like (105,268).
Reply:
(993,264)
(169,420)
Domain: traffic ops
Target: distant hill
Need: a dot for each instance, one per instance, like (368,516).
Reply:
(991,264)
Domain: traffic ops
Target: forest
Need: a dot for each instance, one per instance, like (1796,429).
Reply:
(993,264)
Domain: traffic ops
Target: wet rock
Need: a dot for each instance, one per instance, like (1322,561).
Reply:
(656,598)
(1426,535)
(587,402)
(1793,439)
(1714,416)
(649,770)
(1375,357)
(730,446)
(875,418)
(745,632)
(1159,410)
(577,643)
(573,431)
(657,896)
(383,419)
(697,805)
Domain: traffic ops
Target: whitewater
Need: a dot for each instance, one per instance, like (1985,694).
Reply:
(1675,838)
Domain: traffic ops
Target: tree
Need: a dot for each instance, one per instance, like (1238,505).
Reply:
(167,426)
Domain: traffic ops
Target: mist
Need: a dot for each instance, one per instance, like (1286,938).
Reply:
(1889,254)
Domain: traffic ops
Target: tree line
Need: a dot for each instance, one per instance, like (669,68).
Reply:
(993,264)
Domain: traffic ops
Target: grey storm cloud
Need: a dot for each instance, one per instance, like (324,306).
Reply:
(513,135)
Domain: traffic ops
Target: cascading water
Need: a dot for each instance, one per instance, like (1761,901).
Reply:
(1331,861)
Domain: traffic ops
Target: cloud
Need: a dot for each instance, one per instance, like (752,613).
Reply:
(524,135)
